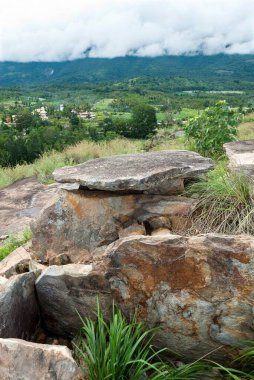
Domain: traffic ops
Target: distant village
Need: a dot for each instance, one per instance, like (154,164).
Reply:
(42,112)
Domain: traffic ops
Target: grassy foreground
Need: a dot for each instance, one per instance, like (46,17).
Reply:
(85,150)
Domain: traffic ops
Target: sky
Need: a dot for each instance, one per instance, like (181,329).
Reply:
(57,30)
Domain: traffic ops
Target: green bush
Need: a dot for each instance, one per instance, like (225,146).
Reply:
(212,128)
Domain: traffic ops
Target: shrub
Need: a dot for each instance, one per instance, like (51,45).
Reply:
(212,128)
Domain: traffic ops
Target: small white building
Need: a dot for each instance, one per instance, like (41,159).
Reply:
(87,115)
(42,113)
(61,107)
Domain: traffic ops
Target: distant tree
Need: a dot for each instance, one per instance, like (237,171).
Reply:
(24,121)
(143,121)
(74,120)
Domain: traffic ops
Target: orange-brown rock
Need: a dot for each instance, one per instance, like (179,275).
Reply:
(199,289)
(81,221)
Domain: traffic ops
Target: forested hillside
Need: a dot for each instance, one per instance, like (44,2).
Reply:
(230,69)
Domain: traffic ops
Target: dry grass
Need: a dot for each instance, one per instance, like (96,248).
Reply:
(246,131)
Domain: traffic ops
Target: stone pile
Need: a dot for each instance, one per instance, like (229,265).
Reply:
(116,233)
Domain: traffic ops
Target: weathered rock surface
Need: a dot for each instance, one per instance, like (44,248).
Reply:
(22,202)
(20,360)
(75,286)
(199,290)
(151,173)
(241,156)
(15,263)
(19,314)
(81,221)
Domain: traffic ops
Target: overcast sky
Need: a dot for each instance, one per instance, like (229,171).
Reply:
(55,30)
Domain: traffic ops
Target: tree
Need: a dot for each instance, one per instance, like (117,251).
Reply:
(212,128)
(25,121)
(143,122)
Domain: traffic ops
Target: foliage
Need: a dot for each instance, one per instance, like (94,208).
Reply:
(13,242)
(212,128)
(225,202)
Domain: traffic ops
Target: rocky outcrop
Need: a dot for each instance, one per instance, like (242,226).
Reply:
(199,290)
(151,173)
(81,221)
(131,194)
(15,263)
(241,156)
(21,360)
(19,313)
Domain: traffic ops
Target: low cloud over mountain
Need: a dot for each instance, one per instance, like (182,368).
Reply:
(56,30)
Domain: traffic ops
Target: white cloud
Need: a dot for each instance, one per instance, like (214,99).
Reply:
(55,30)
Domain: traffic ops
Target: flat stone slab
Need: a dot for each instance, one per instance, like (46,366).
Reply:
(241,156)
(152,173)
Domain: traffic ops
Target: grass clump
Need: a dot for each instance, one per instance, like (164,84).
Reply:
(117,350)
(225,202)
(13,242)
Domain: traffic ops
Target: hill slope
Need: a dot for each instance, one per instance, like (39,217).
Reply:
(224,68)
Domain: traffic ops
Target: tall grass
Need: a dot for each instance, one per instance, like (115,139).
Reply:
(226,203)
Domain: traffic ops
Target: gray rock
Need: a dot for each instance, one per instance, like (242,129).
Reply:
(241,156)
(22,202)
(64,291)
(20,360)
(19,314)
(15,263)
(152,173)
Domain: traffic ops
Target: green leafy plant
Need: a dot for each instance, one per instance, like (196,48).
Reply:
(116,350)
(225,203)
(212,128)
(13,242)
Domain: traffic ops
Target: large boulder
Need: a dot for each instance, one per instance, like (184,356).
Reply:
(20,360)
(81,221)
(19,313)
(199,290)
(151,173)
